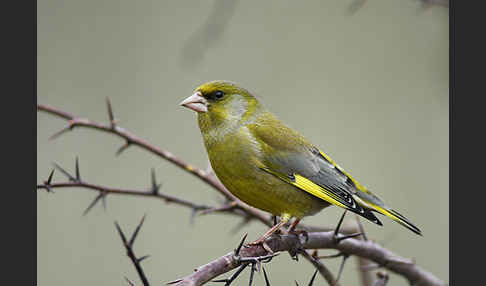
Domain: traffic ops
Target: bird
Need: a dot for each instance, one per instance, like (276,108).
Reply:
(271,166)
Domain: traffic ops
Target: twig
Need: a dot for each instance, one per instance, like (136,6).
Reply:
(75,182)
(129,247)
(321,268)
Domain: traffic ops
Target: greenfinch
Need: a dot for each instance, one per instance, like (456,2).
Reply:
(271,166)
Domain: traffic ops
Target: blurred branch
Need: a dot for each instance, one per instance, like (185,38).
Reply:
(316,240)
(208,34)
(366,278)
(358,4)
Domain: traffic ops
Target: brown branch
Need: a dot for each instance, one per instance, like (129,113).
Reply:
(131,139)
(76,182)
(317,240)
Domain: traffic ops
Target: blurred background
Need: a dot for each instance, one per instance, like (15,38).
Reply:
(366,81)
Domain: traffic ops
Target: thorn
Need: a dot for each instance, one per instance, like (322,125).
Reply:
(348,236)
(78,177)
(93,203)
(155,186)
(237,250)
(252,272)
(174,282)
(232,277)
(345,257)
(330,256)
(315,254)
(110,113)
(129,282)
(48,182)
(71,178)
(123,148)
(60,132)
(267,283)
(311,282)
(361,229)
(120,232)
(142,258)
(336,231)
(135,233)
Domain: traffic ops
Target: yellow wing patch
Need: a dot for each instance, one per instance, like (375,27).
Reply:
(316,190)
(310,187)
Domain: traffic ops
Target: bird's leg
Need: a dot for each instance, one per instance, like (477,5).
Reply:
(291,229)
(293,225)
(272,230)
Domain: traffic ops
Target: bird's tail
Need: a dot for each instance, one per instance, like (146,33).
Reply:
(396,216)
(371,202)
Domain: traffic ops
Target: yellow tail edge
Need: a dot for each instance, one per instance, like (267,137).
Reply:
(396,216)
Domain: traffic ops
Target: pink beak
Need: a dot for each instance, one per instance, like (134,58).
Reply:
(196,102)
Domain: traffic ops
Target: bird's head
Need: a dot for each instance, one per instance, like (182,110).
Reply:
(221,101)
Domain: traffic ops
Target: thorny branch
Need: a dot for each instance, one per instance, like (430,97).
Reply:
(129,247)
(131,139)
(76,182)
(316,239)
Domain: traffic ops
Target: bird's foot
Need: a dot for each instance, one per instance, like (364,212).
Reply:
(262,243)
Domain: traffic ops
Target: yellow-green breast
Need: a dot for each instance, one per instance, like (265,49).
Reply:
(235,157)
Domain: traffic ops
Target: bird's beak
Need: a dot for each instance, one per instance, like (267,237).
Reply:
(196,102)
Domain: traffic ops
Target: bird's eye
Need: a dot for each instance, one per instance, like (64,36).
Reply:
(218,94)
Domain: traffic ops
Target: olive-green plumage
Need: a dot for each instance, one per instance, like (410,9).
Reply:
(271,166)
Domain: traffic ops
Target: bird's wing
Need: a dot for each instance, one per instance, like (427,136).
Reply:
(288,156)
(323,180)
